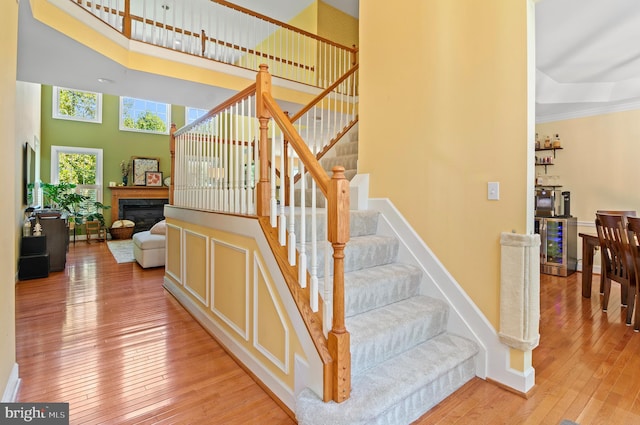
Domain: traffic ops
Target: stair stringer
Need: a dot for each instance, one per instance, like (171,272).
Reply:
(465,318)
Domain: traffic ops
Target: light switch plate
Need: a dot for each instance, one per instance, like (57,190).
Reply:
(493,191)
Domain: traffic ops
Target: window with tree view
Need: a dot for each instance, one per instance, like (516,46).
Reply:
(144,115)
(77,105)
(81,167)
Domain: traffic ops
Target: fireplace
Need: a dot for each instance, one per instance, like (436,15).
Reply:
(143,212)
(144,205)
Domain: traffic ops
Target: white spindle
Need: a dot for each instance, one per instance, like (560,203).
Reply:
(302,264)
(282,225)
(272,178)
(292,209)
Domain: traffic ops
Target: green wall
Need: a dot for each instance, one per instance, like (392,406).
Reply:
(116,145)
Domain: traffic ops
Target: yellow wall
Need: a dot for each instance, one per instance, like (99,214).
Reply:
(10,190)
(443,110)
(598,163)
(336,25)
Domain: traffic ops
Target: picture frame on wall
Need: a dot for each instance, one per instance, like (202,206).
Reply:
(153,178)
(139,168)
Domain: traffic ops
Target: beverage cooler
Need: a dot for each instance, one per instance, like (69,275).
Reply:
(558,245)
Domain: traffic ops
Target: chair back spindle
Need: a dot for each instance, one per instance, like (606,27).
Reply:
(633,236)
(616,260)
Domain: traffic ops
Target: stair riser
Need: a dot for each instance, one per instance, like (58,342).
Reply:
(377,289)
(349,148)
(349,162)
(381,334)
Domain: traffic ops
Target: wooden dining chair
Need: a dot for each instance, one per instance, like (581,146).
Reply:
(633,236)
(617,264)
(624,214)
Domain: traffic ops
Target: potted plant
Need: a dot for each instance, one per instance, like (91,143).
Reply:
(61,197)
(97,215)
(53,194)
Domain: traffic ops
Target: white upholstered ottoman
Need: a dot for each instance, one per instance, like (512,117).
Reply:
(149,249)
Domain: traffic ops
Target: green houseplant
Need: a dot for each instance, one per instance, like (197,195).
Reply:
(80,208)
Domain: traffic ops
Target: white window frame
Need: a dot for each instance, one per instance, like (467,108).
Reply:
(56,106)
(55,166)
(188,109)
(121,121)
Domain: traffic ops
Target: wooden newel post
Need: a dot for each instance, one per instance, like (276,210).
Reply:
(126,19)
(338,235)
(172,151)
(263,85)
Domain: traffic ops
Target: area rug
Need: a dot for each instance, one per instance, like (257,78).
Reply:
(122,250)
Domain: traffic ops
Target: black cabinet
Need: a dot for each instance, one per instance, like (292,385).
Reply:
(34,258)
(56,230)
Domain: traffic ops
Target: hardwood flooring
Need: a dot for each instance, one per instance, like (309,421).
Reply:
(109,340)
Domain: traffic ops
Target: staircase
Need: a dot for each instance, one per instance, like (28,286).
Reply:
(403,360)
(344,153)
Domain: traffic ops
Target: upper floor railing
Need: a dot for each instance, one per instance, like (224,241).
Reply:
(224,32)
(226,162)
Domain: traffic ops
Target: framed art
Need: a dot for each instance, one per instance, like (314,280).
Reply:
(140,166)
(153,178)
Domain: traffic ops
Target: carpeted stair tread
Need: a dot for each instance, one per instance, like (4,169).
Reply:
(374,287)
(399,390)
(349,162)
(380,334)
(361,223)
(362,252)
(347,148)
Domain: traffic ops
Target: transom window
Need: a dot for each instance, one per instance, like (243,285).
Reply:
(144,115)
(77,105)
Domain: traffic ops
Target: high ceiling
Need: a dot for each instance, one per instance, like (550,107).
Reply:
(587,58)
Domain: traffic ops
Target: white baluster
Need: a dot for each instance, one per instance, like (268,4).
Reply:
(292,209)
(274,201)
(282,225)
(302,265)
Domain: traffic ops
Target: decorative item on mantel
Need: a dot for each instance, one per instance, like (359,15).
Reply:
(125,169)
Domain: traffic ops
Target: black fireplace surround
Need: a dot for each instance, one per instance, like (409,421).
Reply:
(143,212)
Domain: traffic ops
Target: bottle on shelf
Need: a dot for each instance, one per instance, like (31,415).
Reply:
(556,142)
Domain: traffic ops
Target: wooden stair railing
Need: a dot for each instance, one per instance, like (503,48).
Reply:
(334,349)
(294,54)
(336,189)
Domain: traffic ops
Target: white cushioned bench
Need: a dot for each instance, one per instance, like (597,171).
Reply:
(149,249)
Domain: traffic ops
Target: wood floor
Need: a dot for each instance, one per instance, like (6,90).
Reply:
(108,339)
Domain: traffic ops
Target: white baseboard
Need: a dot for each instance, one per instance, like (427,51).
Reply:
(11,388)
